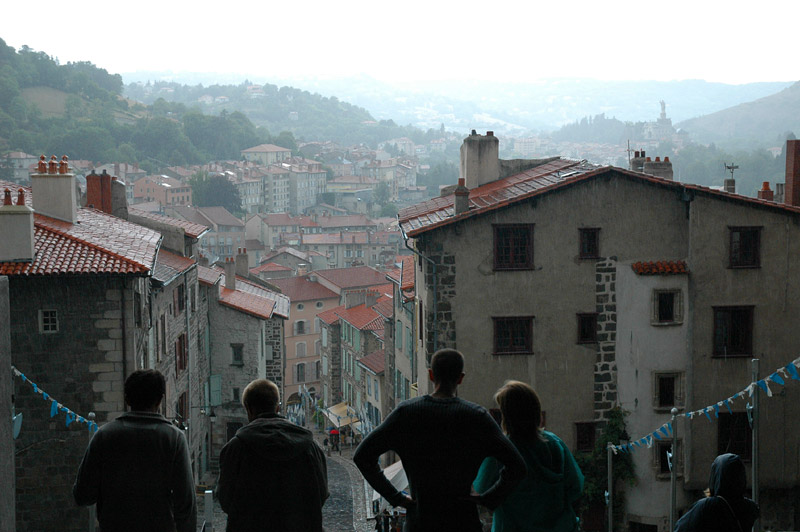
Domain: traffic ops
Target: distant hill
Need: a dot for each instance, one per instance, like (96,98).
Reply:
(763,121)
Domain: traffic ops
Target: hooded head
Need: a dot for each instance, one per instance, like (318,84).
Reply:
(728,477)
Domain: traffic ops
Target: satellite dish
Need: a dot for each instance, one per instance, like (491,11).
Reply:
(16,423)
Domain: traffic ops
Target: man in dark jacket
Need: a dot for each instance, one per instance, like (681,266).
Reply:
(273,475)
(136,468)
(726,509)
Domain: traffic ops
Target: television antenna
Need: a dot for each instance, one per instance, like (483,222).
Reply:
(731,168)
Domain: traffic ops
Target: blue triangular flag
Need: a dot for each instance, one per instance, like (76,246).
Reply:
(728,404)
(45,396)
(709,417)
(23,377)
(53,409)
(791,368)
(81,420)
(777,379)
(669,427)
(35,388)
(656,435)
(763,386)
(637,444)
(689,415)
(70,417)
(716,410)
(664,431)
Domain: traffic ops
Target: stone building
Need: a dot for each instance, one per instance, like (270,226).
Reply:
(537,270)
(403,351)
(79,292)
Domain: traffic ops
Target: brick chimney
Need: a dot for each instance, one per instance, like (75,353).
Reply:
(792,191)
(765,193)
(480,159)
(98,191)
(658,168)
(461,199)
(230,274)
(53,189)
(16,226)
(242,263)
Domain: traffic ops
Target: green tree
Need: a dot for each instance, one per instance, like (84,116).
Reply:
(389,210)
(381,194)
(215,191)
(285,139)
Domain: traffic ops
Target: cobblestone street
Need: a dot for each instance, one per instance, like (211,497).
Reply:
(344,511)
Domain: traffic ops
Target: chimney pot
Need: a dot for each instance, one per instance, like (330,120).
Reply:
(490,133)
(643,153)
(42,167)
(52,166)
(20,197)
(666,159)
(658,159)
(647,159)
(636,153)
(474,132)
(7,197)
(765,185)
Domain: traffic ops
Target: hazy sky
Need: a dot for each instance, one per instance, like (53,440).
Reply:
(729,41)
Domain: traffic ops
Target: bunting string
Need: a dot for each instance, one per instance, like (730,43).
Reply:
(55,406)
(779,377)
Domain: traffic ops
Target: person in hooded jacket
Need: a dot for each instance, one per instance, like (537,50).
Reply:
(543,501)
(726,509)
(273,475)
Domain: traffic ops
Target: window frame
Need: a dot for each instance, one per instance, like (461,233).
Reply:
(679,394)
(659,454)
(677,307)
(46,321)
(720,351)
(581,318)
(735,259)
(237,349)
(524,321)
(524,232)
(593,253)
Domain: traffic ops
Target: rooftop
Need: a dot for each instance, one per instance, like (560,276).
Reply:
(269,267)
(265,148)
(169,266)
(357,277)
(303,289)
(97,244)
(191,229)
(660,267)
(374,362)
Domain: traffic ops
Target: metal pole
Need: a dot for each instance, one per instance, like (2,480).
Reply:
(757,523)
(208,510)
(93,508)
(673,472)
(610,489)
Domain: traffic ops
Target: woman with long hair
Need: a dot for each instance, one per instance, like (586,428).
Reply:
(544,500)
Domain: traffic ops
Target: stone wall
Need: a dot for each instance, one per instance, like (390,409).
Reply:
(6,437)
(443,322)
(605,369)
(81,366)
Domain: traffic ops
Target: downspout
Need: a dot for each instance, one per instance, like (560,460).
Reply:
(435,293)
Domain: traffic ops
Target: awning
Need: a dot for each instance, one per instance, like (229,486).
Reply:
(340,415)
(397,476)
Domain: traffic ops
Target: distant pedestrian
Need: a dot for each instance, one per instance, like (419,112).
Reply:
(544,500)
(137,469)
(273,475)
(325,445)
(726,509)
(442,441)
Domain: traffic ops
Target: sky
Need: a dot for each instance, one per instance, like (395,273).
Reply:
(728,41)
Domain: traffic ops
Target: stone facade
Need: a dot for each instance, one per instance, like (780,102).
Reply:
(605,371)
(331,363)
(101,338)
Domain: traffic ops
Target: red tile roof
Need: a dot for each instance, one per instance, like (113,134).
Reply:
(360,317)
(98,244)
(357,277)
(208,276)
(246,302)
(169,265)
(374,362)
(282,302)
(404,276)
(302,289)
(384,307)
(541,179)
(660,267)
(191,230)
(320,239)
(329,316)
(269,267)
(350,220)
(265,148)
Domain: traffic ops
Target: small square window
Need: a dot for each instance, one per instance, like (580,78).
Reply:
(667,307)
(585,436)
(745,243)
(513,247)
(733,331)
(667,390)
(590,243)
(587,328)
(48,321)
(663,456)
(513,336)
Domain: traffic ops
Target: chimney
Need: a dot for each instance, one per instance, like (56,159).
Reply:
(792,191)
(230,274)
(480,161)
(16,226)
(119,199)
(729,185)
(242,263)
(53,188)
(658,168)
(461,197)
(98,191)
(354,298)
(371,297)
(637,162)
(779,192)
(765,193)
(302,269)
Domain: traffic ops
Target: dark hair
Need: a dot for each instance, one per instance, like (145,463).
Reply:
(447,365)
(521,409)
(144,389)
(260,396)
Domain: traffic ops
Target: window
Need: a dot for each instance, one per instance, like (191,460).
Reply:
(662,459)
(181,348)
(667,307)
(137,309)
(299,327)
(300,349)
(179,299)
(590,243)
(587,328)
(325,336)
(193,298)
(317,348)
(398,336)
(237,354)
(734,435)
(318,304)
(300,306)
(667,390)
(317,369)
(300,373)
(733,331)
(163,351)
(181,407)
(513,247)
(236,395)
(513,335)
(584,436)
(48,321)
(745,247)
